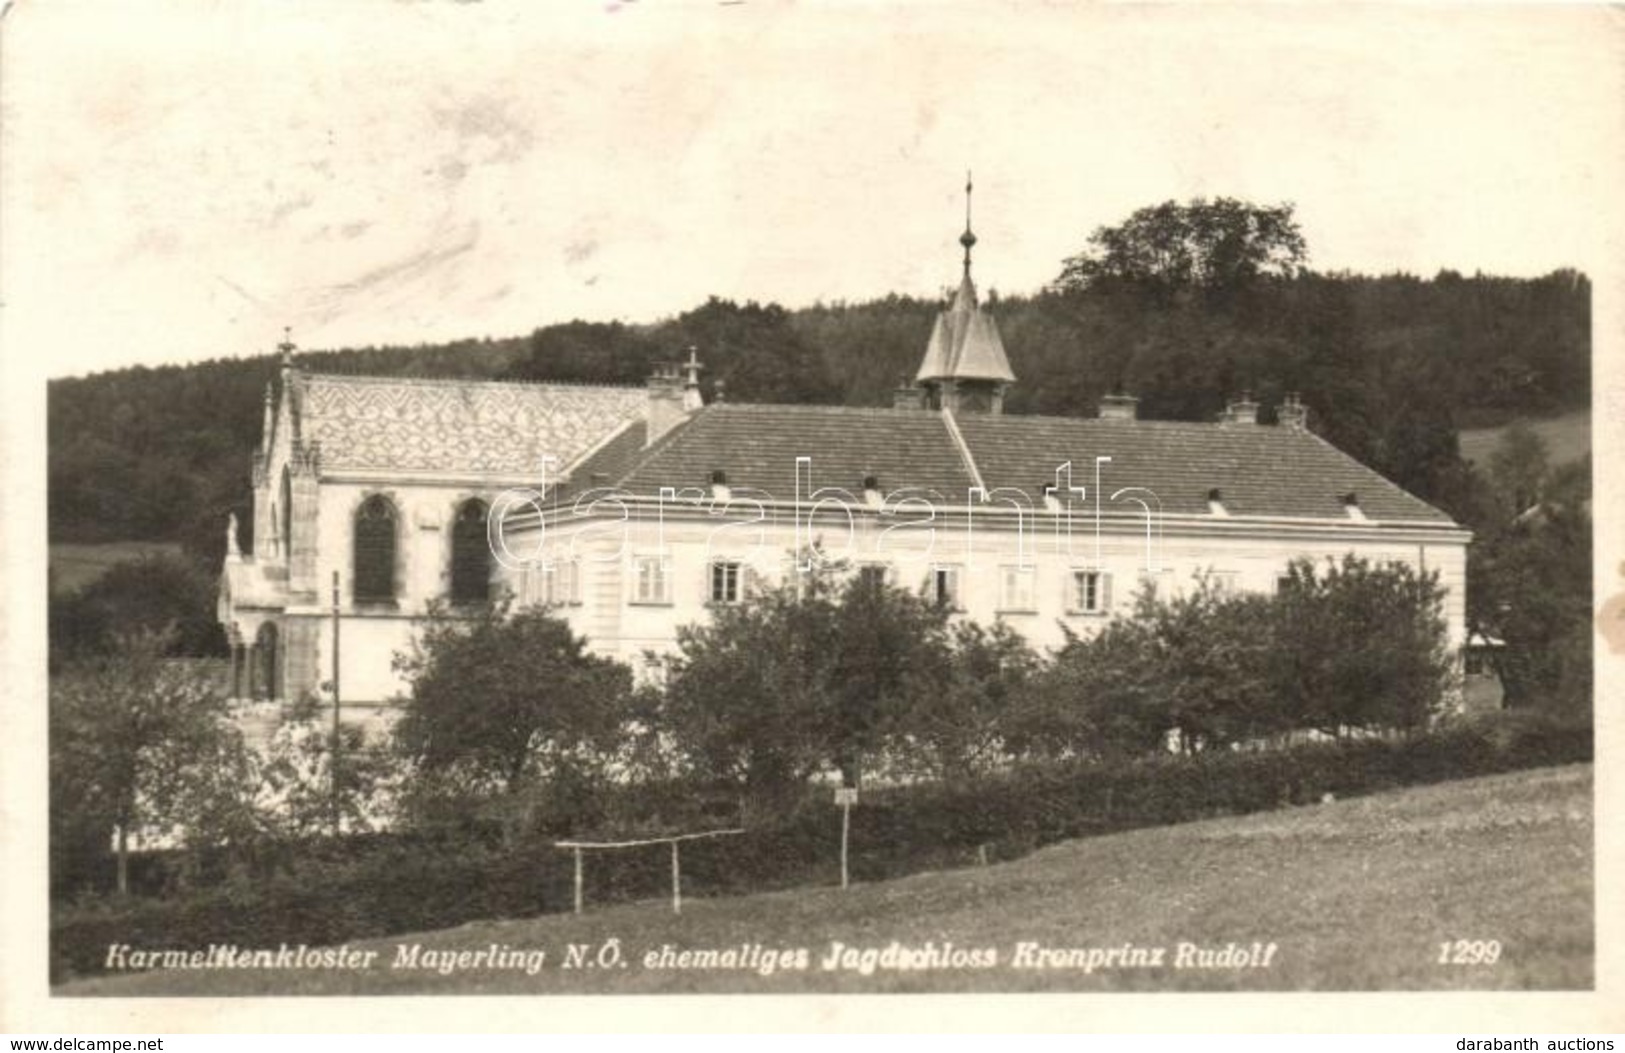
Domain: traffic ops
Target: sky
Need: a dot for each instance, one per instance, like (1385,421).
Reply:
(180,181)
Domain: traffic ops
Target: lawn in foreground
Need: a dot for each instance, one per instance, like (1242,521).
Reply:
(1351,895)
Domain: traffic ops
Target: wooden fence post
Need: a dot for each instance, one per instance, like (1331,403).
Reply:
(676,881)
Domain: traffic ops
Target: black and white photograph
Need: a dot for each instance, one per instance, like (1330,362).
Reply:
(811,502)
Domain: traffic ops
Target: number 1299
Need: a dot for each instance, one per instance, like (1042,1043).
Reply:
(1469,952)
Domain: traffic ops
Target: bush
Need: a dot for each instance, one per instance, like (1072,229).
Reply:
(382,884)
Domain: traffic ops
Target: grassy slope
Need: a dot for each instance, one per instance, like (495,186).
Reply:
(1358,894)
(74,566)
(1567,437)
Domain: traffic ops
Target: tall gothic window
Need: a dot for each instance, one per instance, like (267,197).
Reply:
(286,526)
(470,555)
(374,571)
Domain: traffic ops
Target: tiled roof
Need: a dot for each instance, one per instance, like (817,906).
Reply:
(757,446)
(457,426)
(612,460)
(1259,470)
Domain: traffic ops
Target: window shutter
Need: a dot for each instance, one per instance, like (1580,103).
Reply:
(1105,591)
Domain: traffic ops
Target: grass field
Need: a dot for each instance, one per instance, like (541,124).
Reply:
(75,566)
(1353,895)
(1567,438)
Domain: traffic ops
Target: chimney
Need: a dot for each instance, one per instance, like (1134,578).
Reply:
(1293,414)
(1241,411)
(1119,406)
(665,401)
(871,492)
(720,493)
(907,394)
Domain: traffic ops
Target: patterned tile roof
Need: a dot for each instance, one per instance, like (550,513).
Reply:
(1258,470)
(455,427)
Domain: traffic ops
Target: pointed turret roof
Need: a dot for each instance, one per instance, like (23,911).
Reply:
(965,343)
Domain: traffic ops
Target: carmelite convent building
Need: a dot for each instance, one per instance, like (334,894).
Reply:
(635,511)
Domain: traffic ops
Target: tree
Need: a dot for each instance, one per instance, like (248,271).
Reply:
(1193,664)
(1518,467)
(958,719)
(1360,645)
(1099,697)
(1218,245)
(754,350)
(142,745)
(504,698)
(159,594)
(811,675)
(1209,649)
(886,644)
(1529,576)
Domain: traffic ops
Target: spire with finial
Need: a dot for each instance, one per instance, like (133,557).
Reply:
(967,239)
(269,421)
(965,365)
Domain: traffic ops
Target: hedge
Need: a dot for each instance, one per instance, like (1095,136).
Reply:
(396,883)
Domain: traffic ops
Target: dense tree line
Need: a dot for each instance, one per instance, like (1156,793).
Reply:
(836,675)
(1392,367)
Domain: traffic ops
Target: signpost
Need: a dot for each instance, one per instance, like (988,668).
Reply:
(333,761)
(846,797)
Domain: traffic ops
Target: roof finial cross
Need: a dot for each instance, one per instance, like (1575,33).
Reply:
(287,345)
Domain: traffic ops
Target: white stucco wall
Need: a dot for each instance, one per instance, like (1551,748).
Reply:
(1252,556)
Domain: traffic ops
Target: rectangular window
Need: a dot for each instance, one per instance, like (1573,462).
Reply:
(1283,582)
(1223,582)
(1090,592)
(1016,589)
(558,584)
(652,580)
(725,579)
(943,587)
(1157,584)
(874,575)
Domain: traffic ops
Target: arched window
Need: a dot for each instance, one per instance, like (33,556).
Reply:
(374,571)
(470,555)
(286,526)
(270,679)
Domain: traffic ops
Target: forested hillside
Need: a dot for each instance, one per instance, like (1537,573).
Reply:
(1183,305)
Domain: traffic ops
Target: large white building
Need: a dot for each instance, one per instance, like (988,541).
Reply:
(634,511)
